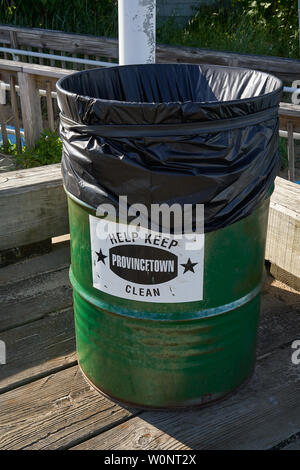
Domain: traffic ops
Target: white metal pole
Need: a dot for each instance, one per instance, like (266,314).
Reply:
(137,23)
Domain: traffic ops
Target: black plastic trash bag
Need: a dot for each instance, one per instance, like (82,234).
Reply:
(171,134)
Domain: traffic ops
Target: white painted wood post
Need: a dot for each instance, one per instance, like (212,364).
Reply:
(30,107)
(137,23)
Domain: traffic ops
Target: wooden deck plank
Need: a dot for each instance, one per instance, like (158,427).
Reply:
(278,324)
(28,354)
(31,309)
(262,413)
(35,287)
(286,294)
(55,412)
(38,349)
(61,410)
(238,403)
(285,277)
(32,299)
(58,258)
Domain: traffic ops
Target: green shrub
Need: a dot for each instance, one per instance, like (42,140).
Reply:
(47,150)
(279,18)
(99,17)
(247,26)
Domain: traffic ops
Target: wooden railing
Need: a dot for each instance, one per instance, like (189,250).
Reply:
(31,104)
(30,100)
(100,48)
(58,43)
(289,119)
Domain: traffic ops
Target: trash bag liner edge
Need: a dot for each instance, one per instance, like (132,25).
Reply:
(228,168)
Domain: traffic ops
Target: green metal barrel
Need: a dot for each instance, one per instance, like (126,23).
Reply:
(163,321)
(154,354)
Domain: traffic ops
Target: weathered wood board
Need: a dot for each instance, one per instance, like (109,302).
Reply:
(61,41)
(58,258)
(31,289)
(283,240)
(33,206)
(34,69)
(262,413)
(289,113)
(55,412)
(37,349)
(31,107)
(279,321)
(285,69)
(60,410)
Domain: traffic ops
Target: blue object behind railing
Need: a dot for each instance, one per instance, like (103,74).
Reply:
(11,136)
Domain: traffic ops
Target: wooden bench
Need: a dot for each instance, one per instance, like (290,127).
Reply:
(33,206)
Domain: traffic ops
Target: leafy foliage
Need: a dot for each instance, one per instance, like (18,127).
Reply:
(47,150)
(247,26)
(276,16)
(82,16)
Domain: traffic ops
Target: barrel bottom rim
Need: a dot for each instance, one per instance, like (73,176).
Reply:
(188,406)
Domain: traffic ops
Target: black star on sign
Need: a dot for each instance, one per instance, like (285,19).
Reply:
(189,266)
(101,256)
